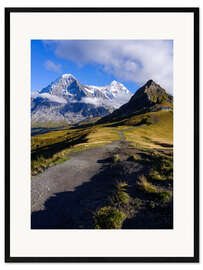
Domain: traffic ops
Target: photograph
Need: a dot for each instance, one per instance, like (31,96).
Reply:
(101,134)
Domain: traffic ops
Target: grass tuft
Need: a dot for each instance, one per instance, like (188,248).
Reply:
(165,196)
(120,196)
(137,202)
(155,175)
(134,158)
(146,186)
(115,158)
(109,218)
(161,193)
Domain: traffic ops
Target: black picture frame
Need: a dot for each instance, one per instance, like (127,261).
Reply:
(8,257)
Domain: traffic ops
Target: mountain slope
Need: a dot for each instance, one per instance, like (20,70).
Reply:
(67,99)
(150,97)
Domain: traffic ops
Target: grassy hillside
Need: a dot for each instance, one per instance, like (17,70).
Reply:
(137,180)
(153,130)
(133,189)
(147,131)
(54,147)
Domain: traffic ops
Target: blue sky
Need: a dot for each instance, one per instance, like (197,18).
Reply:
(98,62)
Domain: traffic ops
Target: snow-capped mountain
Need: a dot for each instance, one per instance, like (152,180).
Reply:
(67,99)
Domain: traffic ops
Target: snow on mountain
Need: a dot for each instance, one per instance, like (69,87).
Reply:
(115,94)
(67,99)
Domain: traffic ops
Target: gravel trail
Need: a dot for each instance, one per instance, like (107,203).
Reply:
(66,176)
(65,195)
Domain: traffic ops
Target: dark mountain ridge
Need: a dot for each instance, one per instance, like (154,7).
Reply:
(148,98)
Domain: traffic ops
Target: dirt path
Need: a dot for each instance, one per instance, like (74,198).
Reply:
(71,188)
(123,138)
(68,175)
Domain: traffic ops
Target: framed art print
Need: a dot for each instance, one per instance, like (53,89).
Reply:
(102,134)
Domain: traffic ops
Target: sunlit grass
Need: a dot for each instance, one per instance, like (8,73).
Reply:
(120,196)
(108,217)
(55,147)
(148,188)
(157,133)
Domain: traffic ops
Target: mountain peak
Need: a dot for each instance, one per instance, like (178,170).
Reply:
(118,88)
(68,76)
(150,92)
(150,97)
(67,99)
(149,82)
(114,82)
(152,84)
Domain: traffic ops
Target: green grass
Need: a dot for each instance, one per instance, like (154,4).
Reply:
(157,132)
(153,131)
(155,175)
(108,217)
(152,136)
(120,196)
(115,158)
(162,166)
(165,195)
(134,157)
(160,163)
(112,216)
(147,187)
(61,160)
(55,147)
(50,124)
(136,202)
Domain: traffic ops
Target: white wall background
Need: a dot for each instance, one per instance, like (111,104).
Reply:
(76,3)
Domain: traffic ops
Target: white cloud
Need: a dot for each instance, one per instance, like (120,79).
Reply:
(52,98)
(49,65)
(128,60)
(95,101)
(116,102)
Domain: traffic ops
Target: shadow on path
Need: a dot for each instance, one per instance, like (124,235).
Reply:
(74,209)
(158,218)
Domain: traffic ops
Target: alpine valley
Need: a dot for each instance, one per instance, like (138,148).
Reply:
(68,100)
(113,168)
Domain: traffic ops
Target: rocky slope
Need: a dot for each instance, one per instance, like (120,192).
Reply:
(150,97)
(66,99)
